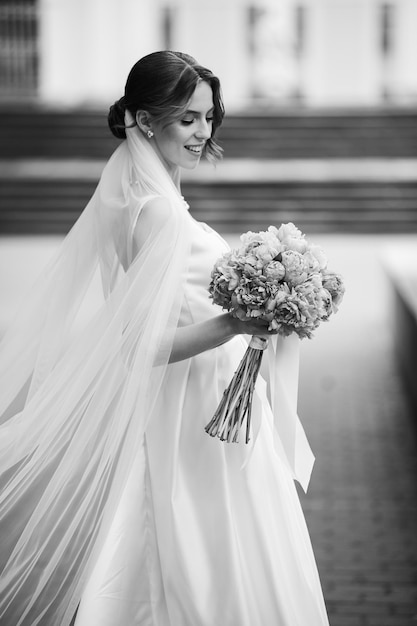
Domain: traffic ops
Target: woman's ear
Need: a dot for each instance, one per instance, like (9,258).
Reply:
(143,121)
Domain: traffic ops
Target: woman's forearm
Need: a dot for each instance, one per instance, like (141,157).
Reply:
(196,338)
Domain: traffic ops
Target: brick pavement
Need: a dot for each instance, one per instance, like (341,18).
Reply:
(362,504)
(361,507)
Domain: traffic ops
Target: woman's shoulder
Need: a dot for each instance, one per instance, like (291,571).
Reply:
(156,208)
(151,208)
(153,215)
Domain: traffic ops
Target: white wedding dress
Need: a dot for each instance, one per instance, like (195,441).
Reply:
(206,533)
(114,499)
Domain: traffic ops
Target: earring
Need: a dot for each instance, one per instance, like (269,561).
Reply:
(150,134)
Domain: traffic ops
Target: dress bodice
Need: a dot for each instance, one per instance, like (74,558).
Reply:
(206,247)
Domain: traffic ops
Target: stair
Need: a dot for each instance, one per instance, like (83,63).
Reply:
(316,207)
(40,133)
(45,205)
(317,135)
(44,133)
(48,195)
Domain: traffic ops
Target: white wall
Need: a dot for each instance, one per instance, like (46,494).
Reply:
(214,33)
(404,70)
(88,47)
(343,53)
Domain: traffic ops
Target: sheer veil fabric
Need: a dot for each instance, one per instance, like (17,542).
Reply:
(78,387)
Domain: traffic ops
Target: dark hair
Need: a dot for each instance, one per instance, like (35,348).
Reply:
(162,83)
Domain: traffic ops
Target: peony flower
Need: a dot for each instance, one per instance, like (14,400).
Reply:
(266,252)
(297,244)
(311,262)
(250,238)
(274,271)
(289,231)
(273,230)
(296,269)
(264,245)
(318,253)
(335,286)
(326,303)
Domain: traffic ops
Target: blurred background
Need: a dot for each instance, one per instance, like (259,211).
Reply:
(321,130)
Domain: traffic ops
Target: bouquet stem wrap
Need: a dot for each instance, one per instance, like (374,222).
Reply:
(236,403)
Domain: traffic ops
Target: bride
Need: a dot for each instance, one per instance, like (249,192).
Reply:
(116,507)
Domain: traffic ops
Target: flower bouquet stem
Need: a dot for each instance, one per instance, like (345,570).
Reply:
(236,403)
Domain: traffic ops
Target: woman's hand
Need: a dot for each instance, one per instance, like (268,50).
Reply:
(251,326)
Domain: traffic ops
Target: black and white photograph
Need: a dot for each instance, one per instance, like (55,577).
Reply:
(208,313)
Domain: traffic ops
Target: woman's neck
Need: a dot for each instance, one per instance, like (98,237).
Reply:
(176,178)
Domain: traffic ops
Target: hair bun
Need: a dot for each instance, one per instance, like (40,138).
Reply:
(116,118)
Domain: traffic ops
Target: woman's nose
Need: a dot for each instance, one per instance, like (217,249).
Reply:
(204,129)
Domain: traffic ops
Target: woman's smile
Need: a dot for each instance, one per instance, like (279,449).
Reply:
(195,149)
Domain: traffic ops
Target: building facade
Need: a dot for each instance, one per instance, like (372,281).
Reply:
(267,53)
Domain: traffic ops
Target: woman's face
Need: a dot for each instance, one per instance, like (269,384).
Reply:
(181,143)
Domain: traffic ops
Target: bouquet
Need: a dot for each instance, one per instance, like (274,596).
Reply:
(279,277)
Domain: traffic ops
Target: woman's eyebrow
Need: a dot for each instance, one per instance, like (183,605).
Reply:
(198,112)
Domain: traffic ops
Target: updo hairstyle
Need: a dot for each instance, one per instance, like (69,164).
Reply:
(162,83)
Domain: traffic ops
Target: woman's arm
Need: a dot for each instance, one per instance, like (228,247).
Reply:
(196,338)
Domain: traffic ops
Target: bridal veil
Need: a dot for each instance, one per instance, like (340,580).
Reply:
(79,383)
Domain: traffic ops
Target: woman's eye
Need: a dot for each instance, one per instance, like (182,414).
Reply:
(187,121)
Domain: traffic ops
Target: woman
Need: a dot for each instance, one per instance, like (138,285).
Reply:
(117,506)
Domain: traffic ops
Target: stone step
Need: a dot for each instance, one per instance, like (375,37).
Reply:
(51,205)
(332,134)
(41,132)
